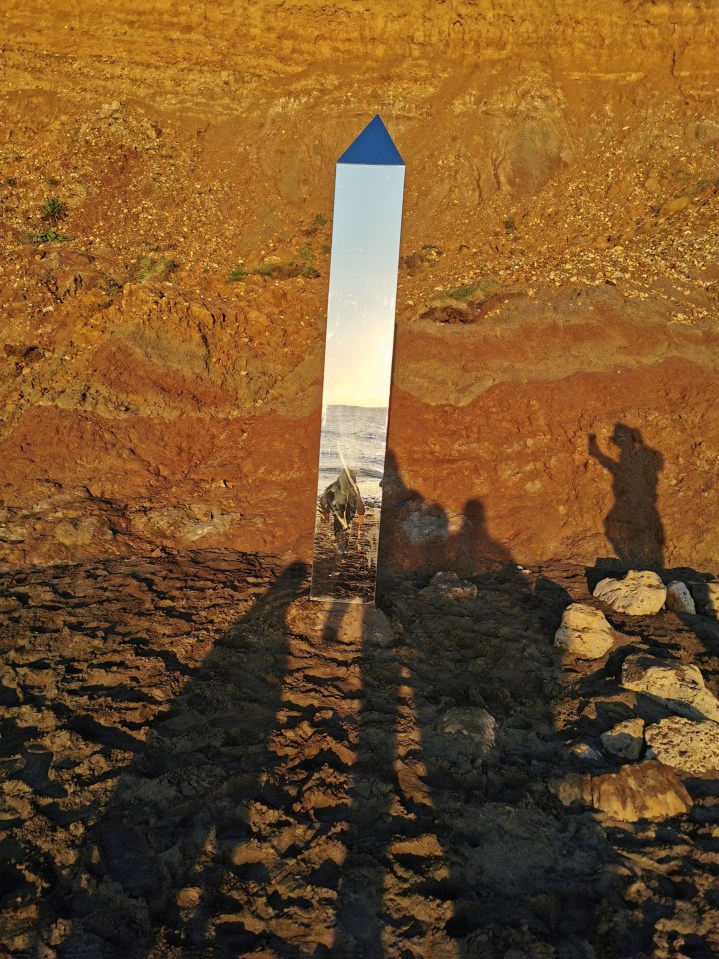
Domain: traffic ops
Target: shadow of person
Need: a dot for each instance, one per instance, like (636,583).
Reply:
(484,844)
(327,782)
(147,877)
(633,525)
(375,814)
(414,532)
(472,550)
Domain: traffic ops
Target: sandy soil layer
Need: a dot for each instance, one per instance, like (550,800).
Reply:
(198,761)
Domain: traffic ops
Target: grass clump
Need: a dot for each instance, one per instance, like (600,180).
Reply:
(264,269)
(705,182)
(53,210)
(155,268)
(112,285)
(510,224)
(425,256)
(276,271)
(465,291)
(318,223)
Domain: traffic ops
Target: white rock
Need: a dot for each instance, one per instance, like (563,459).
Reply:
(679,685)
(640,593)
(586,752)
(706,597)
(451,586)
(679,599)
(626,739)
(692,747)
(584,631)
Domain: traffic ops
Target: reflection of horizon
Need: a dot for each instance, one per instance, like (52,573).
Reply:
(353,406)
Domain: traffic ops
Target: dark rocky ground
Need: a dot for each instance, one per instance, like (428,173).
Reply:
(197,761)
(346,566)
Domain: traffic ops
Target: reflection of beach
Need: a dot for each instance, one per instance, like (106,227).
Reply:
(349,576)
(360,433)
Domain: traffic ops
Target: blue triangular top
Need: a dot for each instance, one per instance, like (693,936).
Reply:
(373,146)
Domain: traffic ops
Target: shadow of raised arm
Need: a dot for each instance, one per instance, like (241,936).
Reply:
(606,461)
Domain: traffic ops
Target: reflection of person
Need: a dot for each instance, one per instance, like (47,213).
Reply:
(343,502)
(633,525)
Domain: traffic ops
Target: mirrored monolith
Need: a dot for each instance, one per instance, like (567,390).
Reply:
(369,187)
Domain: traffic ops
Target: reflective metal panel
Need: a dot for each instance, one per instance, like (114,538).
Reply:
(358,365)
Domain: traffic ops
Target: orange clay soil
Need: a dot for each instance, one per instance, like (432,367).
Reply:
(559,267)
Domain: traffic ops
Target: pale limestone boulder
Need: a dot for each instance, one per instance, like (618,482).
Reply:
(452,587)
(691,747)
(679,599)
(584,631)
(679,685)
(626,739)
(647,790)
(706,597)
(640,593)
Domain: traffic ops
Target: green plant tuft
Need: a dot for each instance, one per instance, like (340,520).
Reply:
(320,221)
(276,271)
(705,182)
(155,268)
(466,291)
(53,209)
(48,236)
(113,286)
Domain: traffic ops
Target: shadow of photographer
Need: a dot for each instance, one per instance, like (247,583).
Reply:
(347,781)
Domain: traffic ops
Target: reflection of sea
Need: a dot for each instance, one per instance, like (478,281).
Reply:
(361,433)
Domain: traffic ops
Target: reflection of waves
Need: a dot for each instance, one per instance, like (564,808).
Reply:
(361,433)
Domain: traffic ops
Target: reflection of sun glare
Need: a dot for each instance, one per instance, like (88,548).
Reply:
(358,360)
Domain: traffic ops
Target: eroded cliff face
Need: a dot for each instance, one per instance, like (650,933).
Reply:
(558,279)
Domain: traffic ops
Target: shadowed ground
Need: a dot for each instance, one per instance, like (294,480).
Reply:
(197,761)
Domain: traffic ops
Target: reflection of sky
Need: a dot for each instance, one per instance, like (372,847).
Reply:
(363,284)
